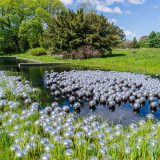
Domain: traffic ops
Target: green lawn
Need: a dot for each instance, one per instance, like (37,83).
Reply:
(137,60)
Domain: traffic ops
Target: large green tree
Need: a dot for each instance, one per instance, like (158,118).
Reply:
(71,30)
(154,39)
(17,14)
(13,13)
(31,31)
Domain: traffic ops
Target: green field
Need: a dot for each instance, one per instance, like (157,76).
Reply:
(133,60)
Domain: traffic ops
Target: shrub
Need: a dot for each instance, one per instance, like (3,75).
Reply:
(82,53)
(2,53)
(37,51)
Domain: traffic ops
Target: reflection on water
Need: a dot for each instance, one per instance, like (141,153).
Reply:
(35,74)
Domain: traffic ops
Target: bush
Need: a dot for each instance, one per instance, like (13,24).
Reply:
(82,53)
(2,53)
(37,51)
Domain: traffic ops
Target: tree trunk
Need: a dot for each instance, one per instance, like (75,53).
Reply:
(16,41)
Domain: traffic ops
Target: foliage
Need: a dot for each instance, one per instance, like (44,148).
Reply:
(154,40)
(31,31)
(21,24)
(2,53)
(72,30)
(151,41)
(37,51)
(144,42)
(134,43)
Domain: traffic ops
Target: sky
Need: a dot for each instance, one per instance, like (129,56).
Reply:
(136,17)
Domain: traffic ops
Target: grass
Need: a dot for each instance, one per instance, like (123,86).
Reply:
(145,61)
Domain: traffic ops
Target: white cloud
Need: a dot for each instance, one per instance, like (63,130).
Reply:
(102,2)
(92,2)
(67,2)
(136,1)
(102,8)
(110,2)
(129,34)
(106,9)
(117,10)
(105,5)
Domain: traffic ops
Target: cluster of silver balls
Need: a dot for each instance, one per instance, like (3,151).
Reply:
(101,87)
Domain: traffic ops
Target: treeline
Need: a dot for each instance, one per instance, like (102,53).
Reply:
(47,26)
(150,41)
(24,22)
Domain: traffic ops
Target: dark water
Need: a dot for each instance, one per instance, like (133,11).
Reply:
(35,74)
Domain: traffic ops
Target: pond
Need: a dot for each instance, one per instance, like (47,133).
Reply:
(35,74)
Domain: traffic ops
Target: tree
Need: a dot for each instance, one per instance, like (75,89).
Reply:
(144,42)
(47,9)
(15,13)
(72,30)
(31,31)
(12,14)
(135,43)
(154,40)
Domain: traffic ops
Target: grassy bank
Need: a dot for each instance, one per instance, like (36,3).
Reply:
(137,60)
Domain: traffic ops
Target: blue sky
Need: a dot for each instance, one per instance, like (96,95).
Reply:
(136,17)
